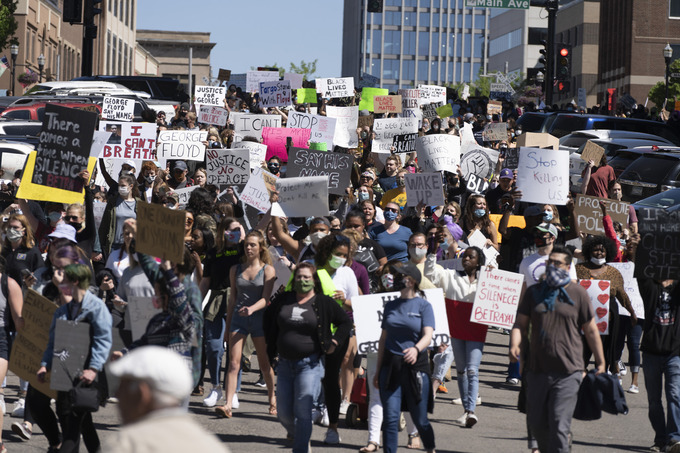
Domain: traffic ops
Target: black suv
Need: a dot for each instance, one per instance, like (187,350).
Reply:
(650,174)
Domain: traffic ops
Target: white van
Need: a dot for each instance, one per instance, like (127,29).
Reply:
(84,88)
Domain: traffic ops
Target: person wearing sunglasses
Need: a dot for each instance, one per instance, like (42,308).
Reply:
(391,236)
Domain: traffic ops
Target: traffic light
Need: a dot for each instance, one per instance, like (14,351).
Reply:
(544,55)
(91,11)
(73,11)
(563,71)
(375,6)
(563,87)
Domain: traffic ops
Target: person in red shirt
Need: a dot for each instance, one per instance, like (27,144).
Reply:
(596,182)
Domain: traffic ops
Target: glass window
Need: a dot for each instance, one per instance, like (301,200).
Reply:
(452,43)
(422,69)
(466,72)
(392,43)
(442,71)
(423,42)
(434,49)
(424,19)
(459,45)
(468,21)
(435,3)
(408,69)
(377,44)
(392,18)
(674,8)
(391,69)
(478,44)
(424,3)
(505,42)
(537,34)
(393,2)
(411,3)
(410,18)
(375,68)
(409,43)
(376,18)
(480,20)
(434,70)
(451,74)
(435,19)
(476,67)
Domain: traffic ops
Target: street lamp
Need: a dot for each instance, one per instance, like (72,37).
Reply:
(14,51)
(668,56)
(41,65)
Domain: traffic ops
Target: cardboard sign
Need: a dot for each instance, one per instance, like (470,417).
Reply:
(207,95)
(337,166)
(497,298)
(254,78)
(346,122)
(275,94)
(632,289)
(438,152)
(430,110)
(335,87)
(432,93)
(386,128)
(657,254)
(306,96)
(598,292)
(322,128)
(301,197)
(183,196)
(160,231)
(294,79)
(228,167)
(129,141)
(478,161)
(445,111)
(543,176)
(182,145)
(38,192)
(118,109)
(258,152)
(410,98)
(275,138)
(140,310)
(248,124)
(387,104)
(255,193)
(224,75)
(367,95)
(495,132)
(494,108)
(64,148)
(71,349)
(538,140)
(424,188)
(589,215)
(209,114)
(369,312)
(592,151)
(405,143)
(30,343)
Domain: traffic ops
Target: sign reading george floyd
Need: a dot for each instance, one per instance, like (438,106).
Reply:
(424,188)
(64,147)
(228,167)
(119,109)
(658,254)
(337,166)
(207,95)
(184,145)
(160,232)
(589,215)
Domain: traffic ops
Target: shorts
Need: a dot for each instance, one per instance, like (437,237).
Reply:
(4,344)
(248,324)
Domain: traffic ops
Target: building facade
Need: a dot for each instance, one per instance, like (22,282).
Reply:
(116,39)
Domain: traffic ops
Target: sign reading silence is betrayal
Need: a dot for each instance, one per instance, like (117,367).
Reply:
(64,147)
(657,254)
(338,167)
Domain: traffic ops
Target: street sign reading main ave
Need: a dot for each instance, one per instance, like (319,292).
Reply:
(511,4)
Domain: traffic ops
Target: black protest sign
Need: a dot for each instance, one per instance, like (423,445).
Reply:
(405,143)
(306,162)
(430,110)
(71,349)
(658,254)
(511,158)
(64,147)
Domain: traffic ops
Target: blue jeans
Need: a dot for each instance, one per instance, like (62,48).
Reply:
(298,382)
(442,362)
(631,333)
(655,368)
(213,338)
(391,402)
(468,356)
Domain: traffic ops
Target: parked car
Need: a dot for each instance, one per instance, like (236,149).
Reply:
(20,127)
(163,88)
(82,88)
(661,200)
(578,138)
(650,174)
(12,157)
(33,108)
(532,121)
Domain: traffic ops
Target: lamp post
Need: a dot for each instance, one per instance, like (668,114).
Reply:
(41,66)
(668,56)
(14,51)
(540,78)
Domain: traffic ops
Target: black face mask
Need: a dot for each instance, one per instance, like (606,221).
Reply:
(75,225)
(540,241)
(182,114)
(273,168)
(399,283)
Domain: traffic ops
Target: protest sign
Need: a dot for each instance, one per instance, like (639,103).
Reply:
(160,232)
(405,143)
(478,161)
(71,350)
(255,193)
(438,152)
(335,87)
(182,144)
(368,80)
(306,96)
(494,108)
(276,137)
(118,109)
(99,141)
(589,215)
(598,292)
(497,298)
(209,114)
(432,93)
(657,254)
(183,196)
(592,151)
(367,95)
(31,341)
(301,197)
(477,239)
(445,111)
(416,114)
(495,132)
(346,121)
(337,166)
(430,110)
(258,152)
(246,124)
(98,208)
(207,95)
(410,98)
(64,148)
(387,104)
(223,75)
(254,78)
(630,285)
(281,269)
(369,312)
(11,163)
(467,136)
(294,79)
(140,310)
(386,128)
(275,94)
(538,140)
(239,81)
(424,188)
(322,128)
(511,158)
(228,167)
(38,192)
(543,176)
(129,141)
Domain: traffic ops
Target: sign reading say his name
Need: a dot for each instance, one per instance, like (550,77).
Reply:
(386,128)
(207,95)
(275,94)
(405,143)
(228,167)
(478,161)
(589,215)
(346,121)
(184,145)
(438,152)
(497,298)
(543,176)
(387,104)
(335,87)
(301,197)
(337,166)
(246,124)
(64,147)
(658,254)
(210,114)
(254,78)
(160,231)
(255,193)
(275,138)
(137,141)
(432,93)
(424,188)
(119,109)
(322,127)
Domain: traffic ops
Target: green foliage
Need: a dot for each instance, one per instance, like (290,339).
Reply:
(482,85)
(307,69)
(658,91)
(8,24)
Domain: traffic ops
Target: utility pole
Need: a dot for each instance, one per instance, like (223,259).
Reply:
(89,35)
(551,7)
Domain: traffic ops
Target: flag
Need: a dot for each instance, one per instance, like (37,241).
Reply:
(5,62)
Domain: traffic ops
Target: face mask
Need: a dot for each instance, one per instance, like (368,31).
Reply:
(303,286)
(387,281)
(401,182)
(598,261)
(14,235)
(444,246)
(480,212)
(417,253)
(363,196)
(390,216)
(149,179)
(273,168)
(540,241)
(336,262)
(66,290)
(233,236)
(75,225)
(399,284)
(316,237)
(547,216)
(555,276)
(54,216)
(123,191)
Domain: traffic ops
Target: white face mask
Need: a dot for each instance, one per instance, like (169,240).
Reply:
(316,237)
(123,191)
(387,281)
(336,262)
(598,261)
(417,253)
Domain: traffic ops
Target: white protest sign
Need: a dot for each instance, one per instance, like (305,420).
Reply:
(281,270)
(335,87)
(248,124)
(206,95)
(118,109)
(184,145)
(322,127)
(258,152)
(424,188)
(410,98)
(386,128)
(183,196)
(11,163)
(431,94)
(127,141)
(255,193)
(301,197)
(478,161)
(210,114)
(369,313)
(294,79)
(98,209)
(347,119)
(630,284)
(467,136)
(275,94)
(477,239)
(438,152)
(497,298)
(543,175)
(141,311)
(228,167)
(494,132)
(254,78)
(99,141)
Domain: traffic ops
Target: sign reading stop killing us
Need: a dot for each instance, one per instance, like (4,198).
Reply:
(543,175)
(658,254)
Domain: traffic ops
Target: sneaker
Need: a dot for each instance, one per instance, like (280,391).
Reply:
(461,420)
(19,408)
(260,382)
(214,396)
(317,415)
(459,402)
(332,437)
(471,420)
(512,381)
(634,389)
(22,430)
(234,402)
(111,399)
(442,389)
(657,447)
(344,405)
(622,368)
(325,421)
(673,447)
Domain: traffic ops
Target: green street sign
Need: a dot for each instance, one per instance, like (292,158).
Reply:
(509,4)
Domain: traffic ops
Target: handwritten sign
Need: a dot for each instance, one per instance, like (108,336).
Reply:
(28,190)
(367,95)
(273,94)
(386,128)
(275,138)
(497,298)
(432,93)
(630,285)
(223,75)
(543,176)
(337,166)
(207,95)
(430,110)
(322,128)
(438,152)
(294,79)
(405,143)
(141,311)
(239,81)
(657,254)
(248,124)
(424,188)
(592,151)
(495,132)
(478,161)
(494,108)
(258,152)
(160,231)
(368,80)
(387,104)
(598,292)
(589,215)
(335,87)
(183,196)
(445,111)
(119,109)
(209,114)
(71,349)
(255,193)
(410,98)
(511,158)
(228,167)
(306,96)
(137,141)
(254,78)
(301,197)
(182,144)
(346,121)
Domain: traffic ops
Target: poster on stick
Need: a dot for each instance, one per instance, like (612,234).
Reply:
(182,145)
(210,114)
(589,215)
(438,152)
(207,95)
(301,197)
(657,254)
(275,94)
(598,292)
(543,176)
(322,128)
(160,232)
(497,297)
(424,188)
(228,167)
(118,109)
(337,166)
(387,104)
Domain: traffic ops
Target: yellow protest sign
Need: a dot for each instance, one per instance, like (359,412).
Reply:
(445,111)
(29,191)
(306,96)
(160,231)
(367,95)
(515,221)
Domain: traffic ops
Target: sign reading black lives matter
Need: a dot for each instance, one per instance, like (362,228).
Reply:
(338,167)
(64,147)
(658,254)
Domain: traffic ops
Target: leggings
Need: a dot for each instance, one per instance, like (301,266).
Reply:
(331,382)
(38,404)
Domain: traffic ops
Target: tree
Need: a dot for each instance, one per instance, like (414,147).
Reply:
(8,24)
(307,69)
(658,91)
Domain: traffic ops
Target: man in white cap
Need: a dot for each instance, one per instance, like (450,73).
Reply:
(155,382)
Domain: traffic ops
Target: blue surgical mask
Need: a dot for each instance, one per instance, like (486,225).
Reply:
(480,212)
(444,246)
(547,216)
(363,196)
(390,216)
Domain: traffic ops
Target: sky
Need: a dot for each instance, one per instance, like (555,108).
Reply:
(256,32)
